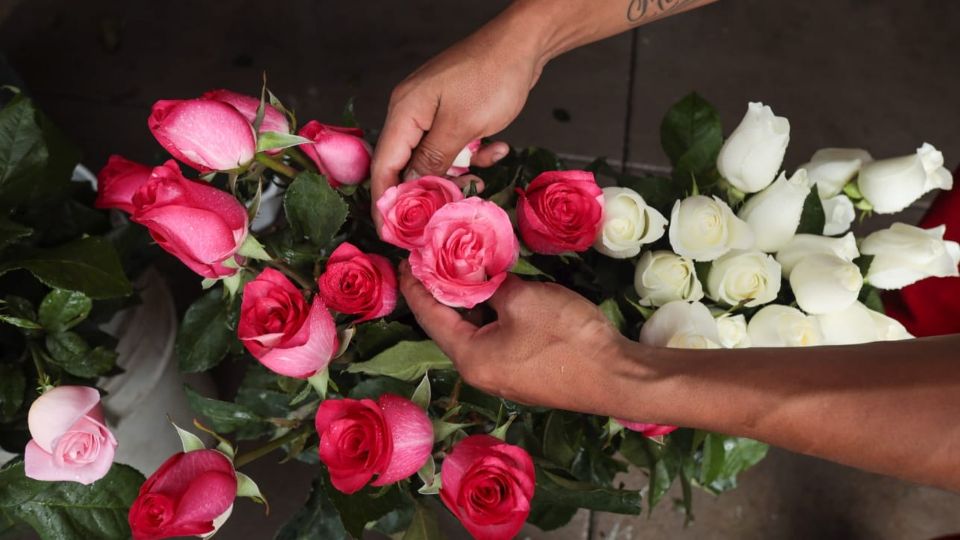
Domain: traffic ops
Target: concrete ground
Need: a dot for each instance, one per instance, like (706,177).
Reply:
(877,74)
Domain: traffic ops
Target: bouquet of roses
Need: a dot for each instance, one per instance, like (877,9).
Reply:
(726,252)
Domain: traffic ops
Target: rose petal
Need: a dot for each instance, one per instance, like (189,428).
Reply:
(412,434)
(57,410)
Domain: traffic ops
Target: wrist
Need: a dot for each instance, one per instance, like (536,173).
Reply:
(531,30)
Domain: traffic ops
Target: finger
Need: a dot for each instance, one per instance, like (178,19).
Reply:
(443,324)
(506,294)
(490,154)
(440,146)
(464,181)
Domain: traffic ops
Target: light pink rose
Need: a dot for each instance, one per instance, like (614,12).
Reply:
(340,153)
(206,134)
(647,430)
(273,120)
(407,208)
(461,164)
(469,247)
(70,440)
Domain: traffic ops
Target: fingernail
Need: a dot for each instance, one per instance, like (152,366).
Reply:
(410,174)
(499,154)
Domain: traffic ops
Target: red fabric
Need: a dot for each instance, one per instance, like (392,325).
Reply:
(932,307)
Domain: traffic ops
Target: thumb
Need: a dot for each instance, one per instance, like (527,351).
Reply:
(443,324)
(438,148)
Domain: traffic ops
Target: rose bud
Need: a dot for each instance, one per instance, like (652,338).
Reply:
(774,214)
(647,430)
(838,213)
(194,221)
(391,438)
(469,248)
(832,168)
(407,208)
(663,276)
(681,325)
(824,283)
(273,119)
(628,223)
(461,163)
(281,330)
(804,245)
(560,211)
(704,228)
(859,324)
(358,283)
(750,277)
(890,185)
(488,485)
(206,134)
(340,153)
(191,494)
(783,326)
(70,440)
(119,179)
(751,156)
(904,254)
(732,330)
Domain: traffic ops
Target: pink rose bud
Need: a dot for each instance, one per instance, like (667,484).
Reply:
(195,222)
(191,494)
(469,247)
(560,211)
(340,153)
(358,283)
(70,440)
(647,430)
(407,208)
(273,119)
(119,179)
(488,485)
(281,330)
(391,438)
(461,164)
(206,134)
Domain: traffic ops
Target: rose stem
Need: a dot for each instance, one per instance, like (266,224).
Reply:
(257,453)
(277,166)
(297,155)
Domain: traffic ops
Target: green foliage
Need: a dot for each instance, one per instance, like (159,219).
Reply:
(224,416)
(424,525)
(88,265)
(71,352)
(62,310)
(314,209)
(12,387)
(366,506)
(317,520)
(691,135)
(407,361)
(205,335)
(813,217)
(557,498)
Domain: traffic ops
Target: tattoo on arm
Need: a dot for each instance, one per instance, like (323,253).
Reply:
(640,10)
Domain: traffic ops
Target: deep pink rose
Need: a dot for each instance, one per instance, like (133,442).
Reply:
(358,283)
(560,211)
(273,119)
(461,164)
(407,208)
(469,247)
(191,494)
(340,153)
(119,179)
(488,485)
(70,440)
(647,430)
(280,330)
(391,438)
(206,134)
(194,221)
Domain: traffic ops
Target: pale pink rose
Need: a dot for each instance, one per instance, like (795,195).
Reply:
(461,164)
(70,440)
(273,119)
(340,153)
(206,134)
(407,208)
(647,430)
(469,247)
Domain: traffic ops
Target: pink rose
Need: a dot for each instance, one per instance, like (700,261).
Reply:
(119,179)
(461,164)
(407,208)
(70,440)
(488,485)
(647,430)
(197,223)
(340,153)
(469,247)
(206,134)
(358,283)
(191,494)
(281,330)
(560,211)
(391,438)
(273,119)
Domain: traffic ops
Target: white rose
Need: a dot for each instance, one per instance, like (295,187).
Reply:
(774,214)
(839,214)
(904,254)
(783,326)
(681,325)
(751,156)
(859,324)
(664,276)
(802,245)
(831,168)
(733,331)
(744,276)
(628,223)
(890,185)
(704,228)
(888,328)
(824,283)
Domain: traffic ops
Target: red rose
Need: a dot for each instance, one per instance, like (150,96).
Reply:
(358,283)
(281,331)
(119,179)
(488,485)
(340,153)
(407,208)
(206,134)
(560,211)
(186,495)
(647,430)
(197,223)
(273,119)
(391,438)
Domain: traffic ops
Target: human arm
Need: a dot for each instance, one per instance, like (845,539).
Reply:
(889,407)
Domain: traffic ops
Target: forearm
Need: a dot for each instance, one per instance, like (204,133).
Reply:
(891,407)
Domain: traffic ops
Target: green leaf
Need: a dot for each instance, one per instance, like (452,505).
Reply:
(553,489)
(69,510)
(204,337)
(11,231)
(611,310)
(23,152)
(424,525)
(714,457)
(740,455)
(526,268)
(442,429)
(691,135)
(62,310)
(428,475)
(246,487)
(374,387)
(272,140)
(813,217)
(224,416)
(12,387)
(189,441)
(72,353)
(407,361)
(375,337)
(253,249)
(314,209)
(89,265)
(421,396)
(318,519)
(562,437)
(365,506)
(870,297)
(26,324)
